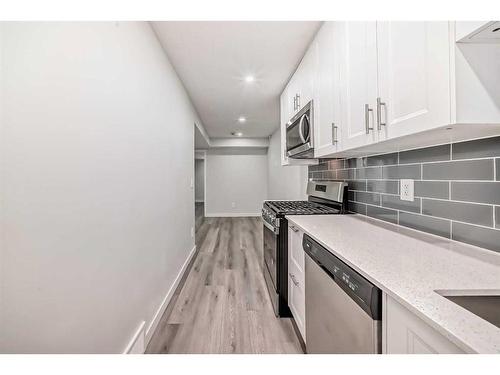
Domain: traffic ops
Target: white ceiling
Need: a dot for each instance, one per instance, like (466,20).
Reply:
(212,59)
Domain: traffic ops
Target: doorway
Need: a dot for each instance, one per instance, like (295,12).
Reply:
(199,189)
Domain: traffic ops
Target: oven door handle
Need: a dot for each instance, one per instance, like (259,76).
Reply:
(270,227)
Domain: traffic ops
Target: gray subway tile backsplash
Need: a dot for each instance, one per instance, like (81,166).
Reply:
(359,208)
(393,201)
(330,175)
(439,227)
(356,163)
(459,170)
(357,185)
(432,189)
(369,173)
(481,192)
(383,186)
(478,148)
(334,164)
(435,153)
(402,171)
(449,191)
(478,236)
(351,195)
(346,174)
(387,159)
(382,214)
(370,198)
(459,211)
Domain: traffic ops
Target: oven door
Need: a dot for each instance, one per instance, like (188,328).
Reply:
(271,244)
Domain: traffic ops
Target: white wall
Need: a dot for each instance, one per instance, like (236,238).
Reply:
(241,179)
(285,182)
(199,180)
(96,199)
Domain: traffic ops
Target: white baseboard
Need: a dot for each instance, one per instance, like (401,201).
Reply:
(159,313)
(137,343)
(233,214)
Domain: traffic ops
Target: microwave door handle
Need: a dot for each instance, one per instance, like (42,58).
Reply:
(301,134)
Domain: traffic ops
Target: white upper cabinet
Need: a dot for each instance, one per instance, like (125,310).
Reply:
(327,91)
(406,84)
(359,77)
(413,60)
(305,76)
(296,95)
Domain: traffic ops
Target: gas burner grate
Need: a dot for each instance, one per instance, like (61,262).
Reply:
(300,208)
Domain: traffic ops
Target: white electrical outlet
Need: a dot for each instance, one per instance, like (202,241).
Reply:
(191,183)
(233,204)
(406,190)
(192,232)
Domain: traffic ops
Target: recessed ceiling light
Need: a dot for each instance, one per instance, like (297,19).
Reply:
(237,134)
(241,119)
(249,79)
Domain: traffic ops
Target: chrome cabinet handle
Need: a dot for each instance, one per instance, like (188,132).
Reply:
(380,103)
(294,280)
(295,102)
(294,229)
(367,118)
(334,133)
(298,101)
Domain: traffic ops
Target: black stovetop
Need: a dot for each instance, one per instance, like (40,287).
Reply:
(300,208)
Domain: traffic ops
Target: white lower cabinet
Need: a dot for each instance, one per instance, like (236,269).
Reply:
(405,333)
(296,278)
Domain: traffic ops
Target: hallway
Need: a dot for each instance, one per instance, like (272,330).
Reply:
(224,306)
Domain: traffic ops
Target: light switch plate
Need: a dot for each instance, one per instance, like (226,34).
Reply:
(406,190)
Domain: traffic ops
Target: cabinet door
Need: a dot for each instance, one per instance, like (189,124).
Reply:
(327,89)
(296,291)
(414,76)
(405,333)
(293,92)
(305,76)
(359,77)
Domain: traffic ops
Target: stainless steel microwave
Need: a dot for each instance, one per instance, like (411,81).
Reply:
(299,134)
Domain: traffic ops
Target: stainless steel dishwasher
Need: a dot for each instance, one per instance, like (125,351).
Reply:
(343,309)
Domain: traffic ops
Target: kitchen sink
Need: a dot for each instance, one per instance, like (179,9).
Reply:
(485,306)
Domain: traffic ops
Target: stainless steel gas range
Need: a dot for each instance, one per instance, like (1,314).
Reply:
(324,198)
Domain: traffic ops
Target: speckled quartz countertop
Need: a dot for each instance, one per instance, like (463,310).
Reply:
(410,266)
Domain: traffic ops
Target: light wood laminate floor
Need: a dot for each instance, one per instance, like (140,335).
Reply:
(224,306)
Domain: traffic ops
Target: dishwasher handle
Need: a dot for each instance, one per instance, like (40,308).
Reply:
(358,288)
